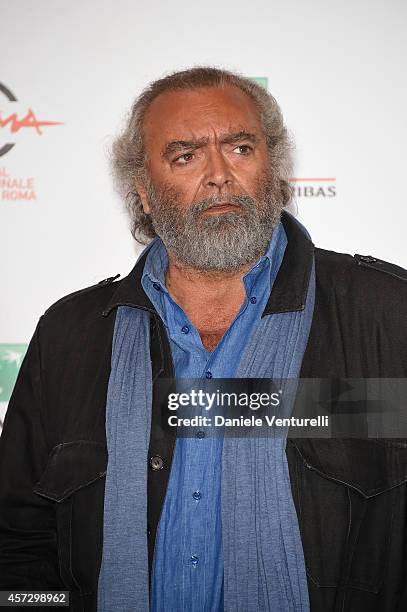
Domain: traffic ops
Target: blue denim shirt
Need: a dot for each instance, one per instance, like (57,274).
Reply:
(188,559)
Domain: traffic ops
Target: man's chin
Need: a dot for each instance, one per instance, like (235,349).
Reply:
(231,221)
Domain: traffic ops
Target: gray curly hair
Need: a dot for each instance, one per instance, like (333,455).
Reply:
(129,155)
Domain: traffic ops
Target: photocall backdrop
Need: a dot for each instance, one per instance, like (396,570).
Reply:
(70,71)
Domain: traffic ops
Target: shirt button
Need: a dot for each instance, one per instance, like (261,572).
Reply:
(185,329)
(196,495)
(253,300)
(157,286)
(156,463)
(200,434)
(208,374)
(194,560)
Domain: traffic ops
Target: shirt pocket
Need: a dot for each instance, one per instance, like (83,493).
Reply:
(74,480)
(349,496)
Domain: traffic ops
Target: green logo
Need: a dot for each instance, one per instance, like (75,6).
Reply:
(11,356)
(263,81)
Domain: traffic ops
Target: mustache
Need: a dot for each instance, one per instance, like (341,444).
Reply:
(243,201)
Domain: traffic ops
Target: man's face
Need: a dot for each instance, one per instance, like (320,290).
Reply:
(211,192)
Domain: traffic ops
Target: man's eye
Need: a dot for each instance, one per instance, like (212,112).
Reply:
(243,149)
(184,159)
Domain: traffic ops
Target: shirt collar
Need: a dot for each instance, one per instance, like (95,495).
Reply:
(156,265)
(289,289)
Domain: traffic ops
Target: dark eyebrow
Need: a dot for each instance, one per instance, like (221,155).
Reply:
(239,136)
(181,145)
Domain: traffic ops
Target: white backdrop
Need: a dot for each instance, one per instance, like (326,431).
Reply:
(338,70)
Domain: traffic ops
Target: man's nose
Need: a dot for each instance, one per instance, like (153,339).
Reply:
(217,172)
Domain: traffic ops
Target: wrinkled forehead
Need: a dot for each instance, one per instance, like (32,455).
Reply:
(197,113)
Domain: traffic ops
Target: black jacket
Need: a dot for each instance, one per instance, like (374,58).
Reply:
(350,495)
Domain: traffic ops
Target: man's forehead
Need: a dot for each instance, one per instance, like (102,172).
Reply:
(190,114)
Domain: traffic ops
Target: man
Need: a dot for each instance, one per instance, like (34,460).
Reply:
(99,496)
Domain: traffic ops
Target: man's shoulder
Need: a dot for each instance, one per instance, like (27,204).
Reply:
(363,275)
(87,301)
(352,264)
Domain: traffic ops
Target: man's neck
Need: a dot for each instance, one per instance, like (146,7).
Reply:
(211,300)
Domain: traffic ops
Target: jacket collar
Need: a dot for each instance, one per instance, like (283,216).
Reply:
(289,290)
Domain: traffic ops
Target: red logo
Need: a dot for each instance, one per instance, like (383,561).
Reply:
(14,124)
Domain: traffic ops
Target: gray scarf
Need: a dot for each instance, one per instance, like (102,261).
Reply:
(264,566)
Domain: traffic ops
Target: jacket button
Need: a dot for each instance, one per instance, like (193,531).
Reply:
(148,530)
(156,463)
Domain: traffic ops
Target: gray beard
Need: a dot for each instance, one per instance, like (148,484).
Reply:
(216,243)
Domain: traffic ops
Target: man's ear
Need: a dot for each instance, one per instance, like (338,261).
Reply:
(141,190)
